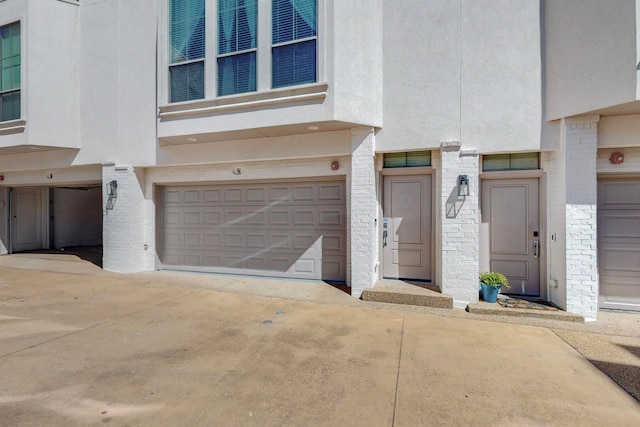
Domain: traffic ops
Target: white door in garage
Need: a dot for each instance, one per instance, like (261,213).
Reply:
(288,229)
(619,244)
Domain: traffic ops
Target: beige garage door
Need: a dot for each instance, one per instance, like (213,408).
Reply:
(619,244)
(294,230)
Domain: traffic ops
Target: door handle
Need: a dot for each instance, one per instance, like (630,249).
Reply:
(384,238)
(536,248)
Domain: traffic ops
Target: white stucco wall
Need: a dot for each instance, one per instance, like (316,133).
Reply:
(421,85)
(501,85)
(619,131)
(118,81)
(469,71)
(49,33)
(591,55)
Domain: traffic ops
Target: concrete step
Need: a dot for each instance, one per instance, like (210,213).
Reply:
(410,293)
(495,309)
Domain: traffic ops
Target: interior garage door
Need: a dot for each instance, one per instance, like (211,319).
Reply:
(294,230)
(619,244)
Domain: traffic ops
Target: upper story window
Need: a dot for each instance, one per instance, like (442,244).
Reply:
(10,72)
(294,42)
(237,41)
(187,49)
(235,57)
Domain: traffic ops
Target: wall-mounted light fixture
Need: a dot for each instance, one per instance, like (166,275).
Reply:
(112,188)
(463,185)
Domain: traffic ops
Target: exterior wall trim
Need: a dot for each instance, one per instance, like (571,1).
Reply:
(13,126)
(244,101)
(582,119)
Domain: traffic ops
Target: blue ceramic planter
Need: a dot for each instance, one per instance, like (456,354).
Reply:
(489,293)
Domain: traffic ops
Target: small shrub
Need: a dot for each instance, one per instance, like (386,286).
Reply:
(494,279)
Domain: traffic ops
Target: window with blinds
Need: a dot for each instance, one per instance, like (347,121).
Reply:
(186,49)
(10,72)
(407,159)
(510,162)
(294,39)
(237,35)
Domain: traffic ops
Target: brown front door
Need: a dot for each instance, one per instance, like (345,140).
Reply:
(406,241)
(511,209)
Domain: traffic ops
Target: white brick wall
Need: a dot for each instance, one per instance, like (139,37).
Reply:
(581,143)
(363,211)
(459,230)
(124,224)
(554,164)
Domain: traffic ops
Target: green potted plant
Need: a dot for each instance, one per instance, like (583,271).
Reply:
(490,283)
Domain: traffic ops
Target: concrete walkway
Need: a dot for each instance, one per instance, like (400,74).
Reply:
(80,346)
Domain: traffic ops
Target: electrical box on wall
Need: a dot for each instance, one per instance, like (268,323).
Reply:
(616,158)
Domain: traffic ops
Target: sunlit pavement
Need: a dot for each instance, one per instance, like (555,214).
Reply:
(79,346)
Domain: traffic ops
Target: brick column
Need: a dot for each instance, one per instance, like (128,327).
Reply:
(459,229)
(581,149)
(363,211)
(123,225)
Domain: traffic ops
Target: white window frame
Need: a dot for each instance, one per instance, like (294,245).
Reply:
(263,63)
(20,120)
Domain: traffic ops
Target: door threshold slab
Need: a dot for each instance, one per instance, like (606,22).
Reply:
(495,309)
(407,292)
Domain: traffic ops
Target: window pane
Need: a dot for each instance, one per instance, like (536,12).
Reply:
(522,161)
(237,74)
(10,57)
(187,28)
(294,64)
(408,159)
(293,20)
(282,21)
(237,25)
(10,105)
(495,162)
(395,160)
(515,161)
(187,81)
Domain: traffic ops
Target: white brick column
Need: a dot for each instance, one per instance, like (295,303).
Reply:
(459,225)
(363,211)
(581,149)
(123,225)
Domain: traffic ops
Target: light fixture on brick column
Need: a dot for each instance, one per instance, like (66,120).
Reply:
(463,185)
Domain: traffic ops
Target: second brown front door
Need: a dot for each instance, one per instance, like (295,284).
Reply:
(510,207)
(406,240)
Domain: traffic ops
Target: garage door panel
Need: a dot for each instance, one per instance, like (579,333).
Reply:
(192,196)
(213,240)
(288,230)
(331,192)
(620,259)
(620,194)
(303,217)
(332,217)
(303,193)
(619,244)
(213,217)
(232,195)
(212,196)
(620,225)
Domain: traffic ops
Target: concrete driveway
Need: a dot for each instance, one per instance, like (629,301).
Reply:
(79,346)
